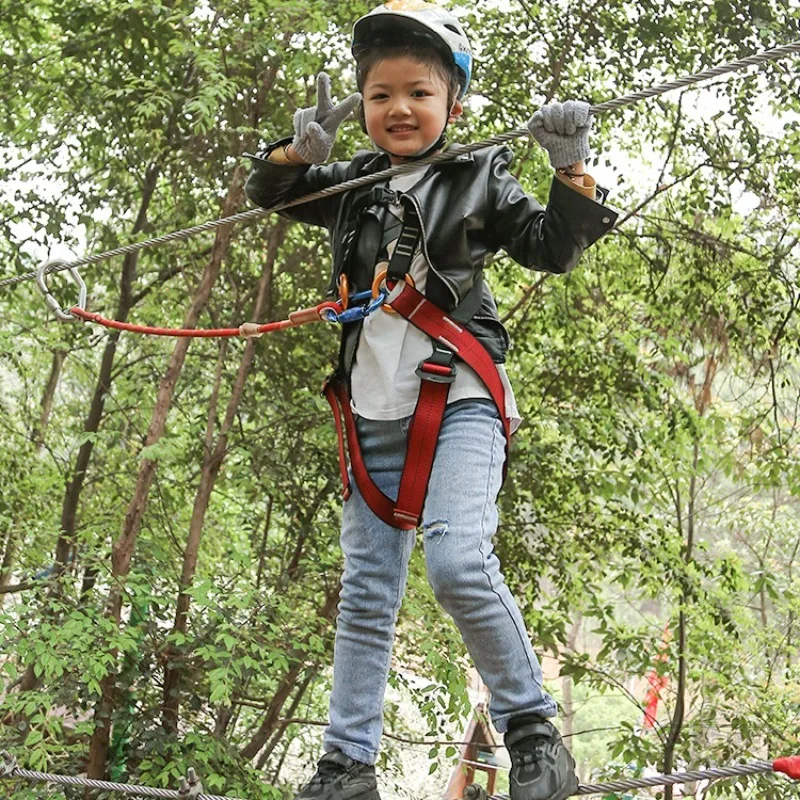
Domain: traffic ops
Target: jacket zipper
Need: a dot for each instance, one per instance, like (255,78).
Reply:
(433,269)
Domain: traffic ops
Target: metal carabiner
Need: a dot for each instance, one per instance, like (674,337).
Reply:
(379,285)
(64,316)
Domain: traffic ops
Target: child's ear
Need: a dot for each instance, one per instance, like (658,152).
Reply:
(456,111)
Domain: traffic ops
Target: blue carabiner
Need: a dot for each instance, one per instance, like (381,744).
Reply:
(378,301)
(357,312)
(359,296)
(362,312)
(351,314)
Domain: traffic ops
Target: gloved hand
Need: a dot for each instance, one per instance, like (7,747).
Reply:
(563,130)
(315,128)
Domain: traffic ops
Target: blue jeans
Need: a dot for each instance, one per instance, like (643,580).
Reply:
(458,523)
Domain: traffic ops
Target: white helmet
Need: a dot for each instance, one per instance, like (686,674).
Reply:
(419,17)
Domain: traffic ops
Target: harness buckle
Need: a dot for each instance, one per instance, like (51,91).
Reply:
(436,373)
(439,366)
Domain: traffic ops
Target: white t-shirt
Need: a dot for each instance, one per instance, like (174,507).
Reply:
(384,384)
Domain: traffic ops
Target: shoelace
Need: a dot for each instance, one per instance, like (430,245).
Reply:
(328,771)
(530,750)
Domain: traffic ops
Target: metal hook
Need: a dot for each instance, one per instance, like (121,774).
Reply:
(51,301)
(190,785)
(8,764)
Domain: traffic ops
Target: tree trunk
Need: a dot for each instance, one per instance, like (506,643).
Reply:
(65,543)
(69,508)
(224,716)
(262,550)
(272,718)
(208,477)
(47,397)
(269,748)
(122,551)
(702,400)
(7,563)
(304,528)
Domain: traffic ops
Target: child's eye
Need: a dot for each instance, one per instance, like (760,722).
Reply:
(378,97)
(421,93)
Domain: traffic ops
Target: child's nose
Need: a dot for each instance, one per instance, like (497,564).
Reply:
(400,106)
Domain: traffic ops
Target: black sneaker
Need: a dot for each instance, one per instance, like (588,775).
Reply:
(339,777)
(541,767)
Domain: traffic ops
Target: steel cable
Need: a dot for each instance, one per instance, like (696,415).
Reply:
(452,153)
(754,768)
(110,786)
(716,773)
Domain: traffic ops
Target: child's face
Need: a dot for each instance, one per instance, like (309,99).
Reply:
(405,106)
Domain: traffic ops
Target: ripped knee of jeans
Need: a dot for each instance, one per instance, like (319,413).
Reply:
(435,530)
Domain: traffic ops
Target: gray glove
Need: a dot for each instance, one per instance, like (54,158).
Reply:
(315,128)
(563,130)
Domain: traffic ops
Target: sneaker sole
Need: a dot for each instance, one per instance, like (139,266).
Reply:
(563,794)
(568,792)
(369,794)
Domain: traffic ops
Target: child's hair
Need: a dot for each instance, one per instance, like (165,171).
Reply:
(419,48)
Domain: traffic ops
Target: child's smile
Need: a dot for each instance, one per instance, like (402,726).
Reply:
(405,107)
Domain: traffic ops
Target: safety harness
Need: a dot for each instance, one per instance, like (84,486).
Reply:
(451,341)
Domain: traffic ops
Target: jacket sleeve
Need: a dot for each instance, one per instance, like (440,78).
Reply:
(270,184)
(549,239)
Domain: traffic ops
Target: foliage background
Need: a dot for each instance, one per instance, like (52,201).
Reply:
(169,513)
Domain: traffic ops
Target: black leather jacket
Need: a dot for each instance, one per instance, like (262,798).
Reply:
(469,208)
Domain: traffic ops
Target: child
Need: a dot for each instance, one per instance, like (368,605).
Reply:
(435,226)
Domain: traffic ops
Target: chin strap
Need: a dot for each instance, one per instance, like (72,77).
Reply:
(437,145)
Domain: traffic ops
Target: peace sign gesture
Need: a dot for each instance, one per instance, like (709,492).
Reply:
(315,128)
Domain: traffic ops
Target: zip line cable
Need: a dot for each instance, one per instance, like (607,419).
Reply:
(191,786)
(453,152)
(790,766)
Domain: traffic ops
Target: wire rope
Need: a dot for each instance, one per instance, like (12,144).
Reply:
(452,153)
(788,765)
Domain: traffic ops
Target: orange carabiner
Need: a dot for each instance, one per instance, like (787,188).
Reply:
(380,278)
(344,291)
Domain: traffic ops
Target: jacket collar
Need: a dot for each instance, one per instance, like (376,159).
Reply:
(375,162)
(461,158)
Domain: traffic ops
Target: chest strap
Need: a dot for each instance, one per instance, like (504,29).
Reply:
(437,373)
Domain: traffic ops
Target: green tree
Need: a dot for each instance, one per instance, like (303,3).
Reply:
(169,512)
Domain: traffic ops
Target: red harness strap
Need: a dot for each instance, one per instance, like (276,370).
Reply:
(405,513)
